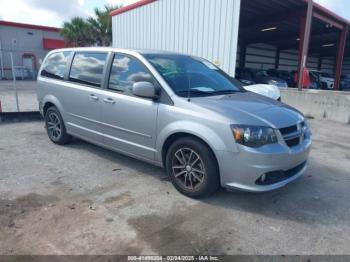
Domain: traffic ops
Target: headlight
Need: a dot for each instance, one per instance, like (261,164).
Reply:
(254,136)
(306,126)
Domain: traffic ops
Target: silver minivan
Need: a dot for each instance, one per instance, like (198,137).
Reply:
(176,111)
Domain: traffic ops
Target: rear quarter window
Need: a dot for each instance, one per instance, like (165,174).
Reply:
(55,65)
(87,68)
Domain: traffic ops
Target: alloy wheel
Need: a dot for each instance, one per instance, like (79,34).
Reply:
(54,126)
(188,169)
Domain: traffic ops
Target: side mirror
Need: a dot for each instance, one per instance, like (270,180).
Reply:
(144,89)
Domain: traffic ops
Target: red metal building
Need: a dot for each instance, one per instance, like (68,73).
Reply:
(28,44)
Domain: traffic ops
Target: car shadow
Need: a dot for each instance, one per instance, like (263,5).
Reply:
(119,159)
(315,198)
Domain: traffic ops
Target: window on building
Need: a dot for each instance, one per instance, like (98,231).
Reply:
(125,72)
(87,68)
(55,65)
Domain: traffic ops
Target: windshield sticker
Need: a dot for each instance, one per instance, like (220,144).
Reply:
(209,65)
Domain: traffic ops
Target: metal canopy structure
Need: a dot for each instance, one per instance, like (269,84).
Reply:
(295,24)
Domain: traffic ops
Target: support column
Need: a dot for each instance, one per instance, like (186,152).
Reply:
(305,31)
(319,62)
(340,58)
(242,54)
(277,57)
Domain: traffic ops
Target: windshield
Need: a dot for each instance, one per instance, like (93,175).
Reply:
(262,73)
(285,74)
(184,73)
(323,74)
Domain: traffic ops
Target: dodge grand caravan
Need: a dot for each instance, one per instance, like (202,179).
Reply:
(175,111)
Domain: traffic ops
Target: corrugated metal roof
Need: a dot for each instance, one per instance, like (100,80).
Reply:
(257,6)
(30,26)
(285,16)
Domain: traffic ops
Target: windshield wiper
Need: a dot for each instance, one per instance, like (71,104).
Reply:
(223,92)
(208,93)
(194,91)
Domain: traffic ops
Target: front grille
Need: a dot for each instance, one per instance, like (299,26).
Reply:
(279,175)
(289,129)
(293,135)
(293,142)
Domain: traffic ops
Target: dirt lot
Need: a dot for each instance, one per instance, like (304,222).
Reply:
(81,199)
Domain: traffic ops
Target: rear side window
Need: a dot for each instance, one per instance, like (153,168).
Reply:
(87,68)
(125,72)
(55,65)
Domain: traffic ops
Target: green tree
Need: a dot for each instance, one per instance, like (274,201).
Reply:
(101,26)
(77,32)
(95,30)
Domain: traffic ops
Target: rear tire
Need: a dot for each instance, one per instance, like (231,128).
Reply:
(192,168)
(55,127)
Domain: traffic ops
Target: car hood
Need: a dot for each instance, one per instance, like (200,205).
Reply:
(270,91)
(328,79)
(251,109)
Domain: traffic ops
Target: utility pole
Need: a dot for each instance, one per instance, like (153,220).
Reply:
(305,32)
(14,81)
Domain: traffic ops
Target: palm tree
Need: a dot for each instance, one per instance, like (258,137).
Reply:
(96,30)
(77,32)
(101,25)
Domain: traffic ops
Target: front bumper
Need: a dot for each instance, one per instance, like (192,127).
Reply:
(41,108)
(243,170)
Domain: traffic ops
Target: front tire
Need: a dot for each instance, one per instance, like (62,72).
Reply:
(192,168)
(55,127)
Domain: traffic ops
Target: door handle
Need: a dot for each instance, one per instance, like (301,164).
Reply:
(93,97)
(109,101)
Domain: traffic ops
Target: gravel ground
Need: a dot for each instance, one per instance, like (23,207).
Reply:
(81,199)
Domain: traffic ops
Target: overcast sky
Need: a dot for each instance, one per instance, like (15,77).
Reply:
(54,12)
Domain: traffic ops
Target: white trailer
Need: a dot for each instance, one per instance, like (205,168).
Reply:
(205,28)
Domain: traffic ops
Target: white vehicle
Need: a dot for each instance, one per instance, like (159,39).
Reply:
(270,91)
(326,79)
